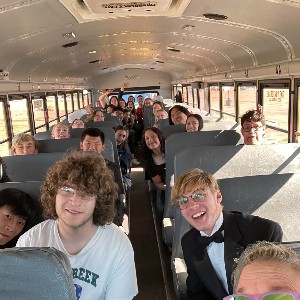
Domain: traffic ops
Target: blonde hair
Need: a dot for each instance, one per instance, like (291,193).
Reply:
(192,178)
(266,251)
(24,137)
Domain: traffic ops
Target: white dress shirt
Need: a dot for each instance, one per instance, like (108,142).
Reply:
(215,252)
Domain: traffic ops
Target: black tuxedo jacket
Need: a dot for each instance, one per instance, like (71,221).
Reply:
(240,230)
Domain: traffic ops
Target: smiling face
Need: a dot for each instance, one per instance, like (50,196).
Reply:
(204,214)
(192,124)
(99,117)
(261,277)
(11,225)
(78,124)
(156,107)
(253,133)
(60,131)
(25,147)
(74,210)
(92,143)
(152,140)
(121,136)
(178,117)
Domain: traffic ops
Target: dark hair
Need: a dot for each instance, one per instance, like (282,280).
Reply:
(199,118)
(180,108)
(161,104)
(117,108)
(148,152)
(4,177)
(253,116)
(21,204)
(95,132)
(111,98)
(120,127)
(89,173)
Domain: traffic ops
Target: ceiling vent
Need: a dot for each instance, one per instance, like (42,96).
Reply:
(172,49)
(215,17)
(69,45)
(94,61)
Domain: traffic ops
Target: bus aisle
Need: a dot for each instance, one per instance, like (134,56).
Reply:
(152,259)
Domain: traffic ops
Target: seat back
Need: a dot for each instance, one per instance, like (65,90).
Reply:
(20,283)
(30,167)
(43,135)
(110,124)
(171,129)
(178,142)
(148,116)
(162,123)
(59,145)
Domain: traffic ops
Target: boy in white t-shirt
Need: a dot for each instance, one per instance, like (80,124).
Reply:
(78,197)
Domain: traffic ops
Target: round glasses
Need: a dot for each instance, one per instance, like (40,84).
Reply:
(248,128)
(197,196)
(268,296)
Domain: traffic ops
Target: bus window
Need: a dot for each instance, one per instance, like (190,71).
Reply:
(275,109)
(38,113)
(247,98)
(195,95)
(184,95)
(190,95)
(51,104)
(61,106)
(4,151)
(214,101)
(19,115)
(69,103)
(75,100)
(228,103)
(81,100)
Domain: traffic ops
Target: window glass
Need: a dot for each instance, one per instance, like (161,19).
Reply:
(19,115)
(190,95)
(85,100)
(4,147)
(38,113)
(75,99)
(247,98)
(61,106)
(51,104)
(195,92)
(81,103)
(184,95)
(276,108)
(228,103)
(214,101)
(69,103)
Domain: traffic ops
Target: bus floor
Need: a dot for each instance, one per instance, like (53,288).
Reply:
(152,257)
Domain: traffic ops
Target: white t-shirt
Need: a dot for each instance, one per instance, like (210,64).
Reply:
(103,269)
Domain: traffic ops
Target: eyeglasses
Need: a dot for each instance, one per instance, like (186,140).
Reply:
(248,128)
(69,192)
(197,196)
(267,296)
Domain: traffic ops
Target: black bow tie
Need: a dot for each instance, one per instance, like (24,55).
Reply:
(217,237)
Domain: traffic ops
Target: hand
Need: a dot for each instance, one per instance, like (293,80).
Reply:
(124,86)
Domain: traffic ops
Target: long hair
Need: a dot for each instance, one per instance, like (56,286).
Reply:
(148,152)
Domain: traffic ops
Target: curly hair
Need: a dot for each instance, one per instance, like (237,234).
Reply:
(90,175)
(253,116)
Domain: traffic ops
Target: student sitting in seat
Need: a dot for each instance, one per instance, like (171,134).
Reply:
(60,131)
(269,270)
(253,127)
(25,143)
(153,144)
(77,123)
(121,134)
(17,215)
(93,139)
(194,122)
(78,199)
(178,115)
(218,237)
(96,116)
